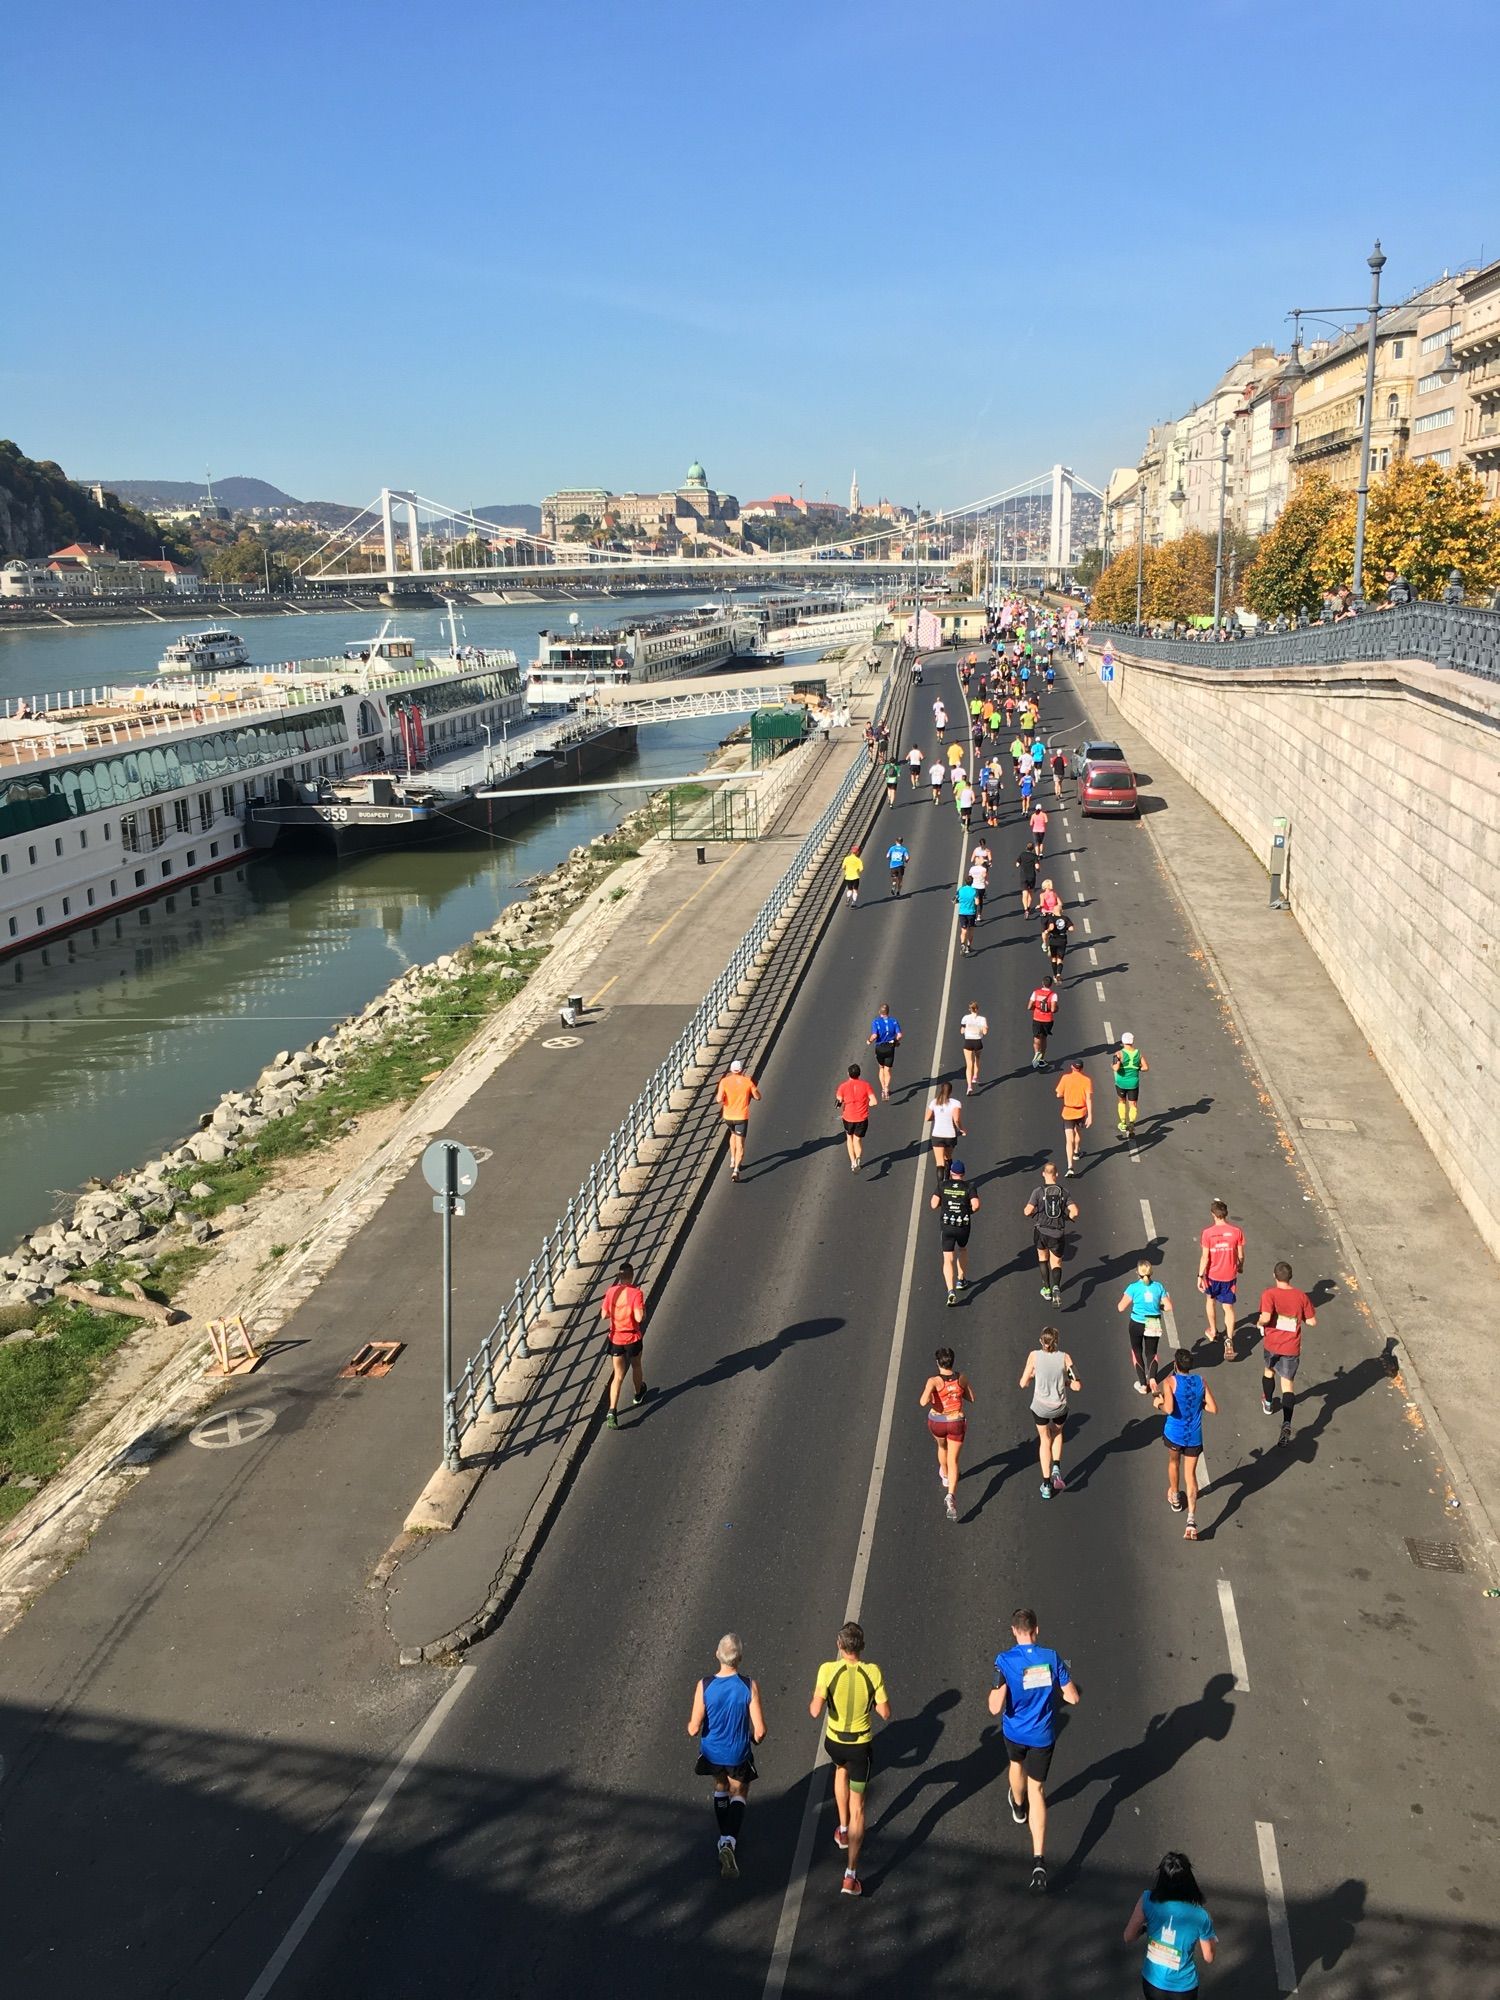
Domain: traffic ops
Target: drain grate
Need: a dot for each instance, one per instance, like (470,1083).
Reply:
(376,1357)
(1428,1554)
(1328,1124)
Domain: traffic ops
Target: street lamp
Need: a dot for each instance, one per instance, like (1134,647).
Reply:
(1140,542)
(1223,490)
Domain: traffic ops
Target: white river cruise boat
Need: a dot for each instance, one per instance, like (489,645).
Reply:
(665,649)
(110,797)
(206,652)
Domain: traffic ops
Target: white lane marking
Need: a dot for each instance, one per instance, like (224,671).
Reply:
(1281,1936)
(1232,1637)
(1147,1220)
(1093,956)
(1109,1033)
(1099,988)
(368,1821)
(1076,876)
(1088,927)
(791,1902)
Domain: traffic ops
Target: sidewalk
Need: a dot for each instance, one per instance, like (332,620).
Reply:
(1418,1269)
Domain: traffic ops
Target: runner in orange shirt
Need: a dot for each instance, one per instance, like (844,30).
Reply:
(1076,1094)
(736,1093)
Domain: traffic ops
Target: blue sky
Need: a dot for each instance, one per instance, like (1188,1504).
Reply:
(485,251)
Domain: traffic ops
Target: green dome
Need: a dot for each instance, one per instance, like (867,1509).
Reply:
(696,476)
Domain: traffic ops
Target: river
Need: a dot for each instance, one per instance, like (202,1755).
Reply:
(113,1041)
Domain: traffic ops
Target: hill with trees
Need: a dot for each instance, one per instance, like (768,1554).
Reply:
(41,509)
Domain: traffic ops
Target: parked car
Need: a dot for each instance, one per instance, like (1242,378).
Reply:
(1094,753)
(1107,788)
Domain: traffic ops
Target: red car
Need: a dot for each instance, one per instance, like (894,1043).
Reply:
(1107,788)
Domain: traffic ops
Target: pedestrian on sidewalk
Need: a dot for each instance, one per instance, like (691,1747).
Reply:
(1030,1679)
(1184,1398)
(1129,1067)
(972,1029)
(624,1314)
(855,1099)
(736,1094)
(1050,1209)
(885,1038)
(1075,1092)
(957,1205)
(728,1720)
(945,1114)
(854,1690)
(853,868)
(1050,1376)
(943,1398)
(1221,1258)
(1284,1311)
(1171,1917)
(1146,1299)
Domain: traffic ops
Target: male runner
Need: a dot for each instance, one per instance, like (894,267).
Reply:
(892,779)
(967,898)
(854,1689)
(1055,934)
(1026,864)
(1075,1093)
(935,776)
(1221,1258)
(972,1029)
(957,1204)
(1028,1680)
(1050,1210)
(1129,1065)
(735,1095)
(885,1038)
(939,717)
(855,1099)
(1059,771)
(854,867)
(1043,1008)
(1028,786)
(964,797)
(1284,1311)
(979,875)
(914,763)
(897,855)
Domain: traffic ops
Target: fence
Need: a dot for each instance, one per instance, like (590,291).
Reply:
(473,1393)
(1444,635)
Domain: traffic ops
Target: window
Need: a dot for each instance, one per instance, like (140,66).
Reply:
(41,914)
(114,889)
(156,825)
(1398,348)
(4,864)
(236,840)
(1435,420)
(108,829)
(140,878)
(181,815)
(192,857)
(67,906)
(1392,408)
(213,848)
(166,869)
(83,836)
(13,928)
(1439,458)
(91,898)
(205,810)
(31,856)
(57,847)
(1438,339)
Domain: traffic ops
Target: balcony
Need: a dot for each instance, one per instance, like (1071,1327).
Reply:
(1484,447)
(1478,340)
(1346,438)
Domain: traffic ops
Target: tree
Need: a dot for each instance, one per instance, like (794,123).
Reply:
(1424,521)
(1114,593)
(1089,567)
(1180,579)
(1284,577)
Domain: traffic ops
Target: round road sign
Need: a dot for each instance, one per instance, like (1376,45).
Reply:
(227,1428)
(435,1167)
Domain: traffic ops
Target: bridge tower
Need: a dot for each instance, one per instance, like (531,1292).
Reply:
(390,500)
(1060,543)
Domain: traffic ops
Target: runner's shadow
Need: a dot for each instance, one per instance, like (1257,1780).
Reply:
(1328,1925)
(1151,1132)
(1109,1272)
(1013,1463)
(1265,1466)
(907,1152)
(768,1163)
(1023,1260)
(907,1741)
(1167,1740)
(956,1781)
(1137,1433)
(761,1355)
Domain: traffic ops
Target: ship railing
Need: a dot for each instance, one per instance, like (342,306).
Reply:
(474,1393)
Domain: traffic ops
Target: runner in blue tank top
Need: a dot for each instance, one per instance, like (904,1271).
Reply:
(728,1721)
(1185,1398)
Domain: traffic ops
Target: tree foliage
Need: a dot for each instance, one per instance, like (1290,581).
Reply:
(1284,577)
(1177,583)
(41,509)
(1424,521)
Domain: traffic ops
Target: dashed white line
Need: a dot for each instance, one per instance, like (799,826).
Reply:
(1109,1033)
(1093,956)
(1232,1637)
(1076,876)
(1099,988)
(1088,927)
(1148,1220)
(1281,1936)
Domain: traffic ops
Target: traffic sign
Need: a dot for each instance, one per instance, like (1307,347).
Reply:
(435,1167)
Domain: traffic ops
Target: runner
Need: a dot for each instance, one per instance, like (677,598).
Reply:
(955,760)
(989,793)
(935,776)
(972,1030)
(624,1313)
(1043,1006)
(967,898)
(1038,825)
(964,795)
(854,867)
(1038,758)
(1055,934)
(736,1093)
(914,763)
(1049,902)
(945,1115)
(979,871)
(1172,1919)
(1145,1298)
(1059,772)
(1284,1311)
(885,1038)
(897,855)
(1029,1678)
(854,1689)
(943,1397)
(1129,1066)
(916,673)
(957,1205)
(1184,1398)
(1221,1258)
(1051,1378)
(892,779)
(855,1099)
(728,1721)
(1076,1095)
(1050,1209)
(939,717)
(1026,864)
(1027,786)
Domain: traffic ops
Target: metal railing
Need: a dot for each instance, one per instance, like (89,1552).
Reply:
(473,1393)
(1457,636)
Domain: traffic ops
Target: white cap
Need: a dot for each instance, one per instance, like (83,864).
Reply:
(1127,1041)
(736,1064)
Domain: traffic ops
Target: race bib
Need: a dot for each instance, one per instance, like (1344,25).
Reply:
(1036,1677)
(1165,1952)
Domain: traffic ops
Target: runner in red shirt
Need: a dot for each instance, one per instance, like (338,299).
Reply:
(624,1313)
(855,1099)
(1284,1311)
(1221,1258)
(1043,1005)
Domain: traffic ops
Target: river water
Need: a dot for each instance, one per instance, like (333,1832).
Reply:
(112,1042)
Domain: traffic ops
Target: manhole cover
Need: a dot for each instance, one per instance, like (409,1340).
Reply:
(1436,1555)
(563,1042)
(227,1428)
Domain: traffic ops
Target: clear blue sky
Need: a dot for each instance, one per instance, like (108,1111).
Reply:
(483,251)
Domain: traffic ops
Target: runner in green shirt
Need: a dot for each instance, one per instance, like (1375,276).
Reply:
(1129,1064)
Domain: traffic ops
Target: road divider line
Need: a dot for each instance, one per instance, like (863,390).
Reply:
(1088,927)
(1077,877)
(1099,988)
(595,998)
(1281,1936)
(1109,1033)
(369,1819)
(1093,956)
(1232,1637)
(1147,1220)
(791,1902)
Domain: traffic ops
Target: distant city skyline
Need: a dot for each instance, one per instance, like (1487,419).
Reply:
(784,263)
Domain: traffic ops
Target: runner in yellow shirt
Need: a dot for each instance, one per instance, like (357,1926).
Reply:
(853,869)
(854,1690)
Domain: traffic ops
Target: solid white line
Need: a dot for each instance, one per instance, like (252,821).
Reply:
(1281,1936)
(1093,956)
(1099,988)
(369,1820)
(791,1902)
(1235,1643)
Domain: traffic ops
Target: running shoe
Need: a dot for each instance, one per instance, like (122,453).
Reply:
(1190,1530)
(611,1421)
(841,1837)
(852,1884)
(1284,1436)
(949,1509)
(1176,1502)
(1046,1489)
(641,1394)
(1140,1388)
(1046,1291)
(953,1298)
(1265,1408)
(1059,1484)
(1038,1882)
(1017,1812)
(729,1866)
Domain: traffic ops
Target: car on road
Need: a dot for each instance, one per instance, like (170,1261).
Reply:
(1097,752)
(1107,788)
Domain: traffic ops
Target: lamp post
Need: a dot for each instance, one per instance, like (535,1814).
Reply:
(1140,543)
(1224,435)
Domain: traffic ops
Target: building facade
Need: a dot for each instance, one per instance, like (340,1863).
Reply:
(1328,410)
(686,513)
(1476,349)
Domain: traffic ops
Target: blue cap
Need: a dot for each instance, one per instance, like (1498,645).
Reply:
(956,1168)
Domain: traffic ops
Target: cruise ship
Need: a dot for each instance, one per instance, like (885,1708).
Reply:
(111,797)
(664,649)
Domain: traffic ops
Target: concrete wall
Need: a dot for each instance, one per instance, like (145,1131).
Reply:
(1391,778)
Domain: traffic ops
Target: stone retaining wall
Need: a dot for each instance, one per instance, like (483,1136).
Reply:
(1390,776)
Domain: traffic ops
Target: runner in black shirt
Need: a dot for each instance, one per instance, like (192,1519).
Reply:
(956,1204)
(1026,866)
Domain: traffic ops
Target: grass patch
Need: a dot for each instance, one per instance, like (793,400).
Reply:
(43,1385)
(171,1272)
(615,850)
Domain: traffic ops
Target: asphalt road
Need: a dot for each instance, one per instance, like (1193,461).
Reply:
(549,1838)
